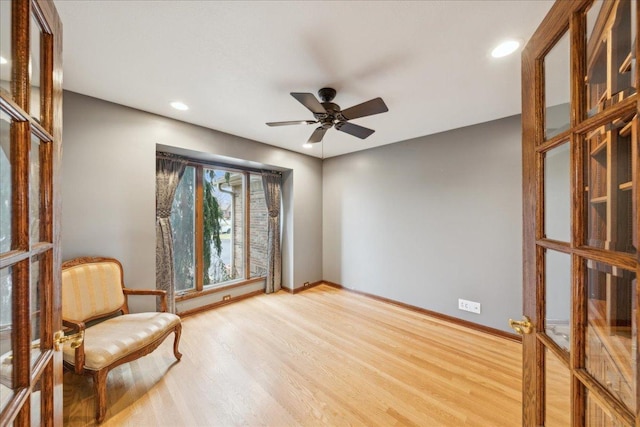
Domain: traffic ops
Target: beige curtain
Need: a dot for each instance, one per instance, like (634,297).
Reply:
(272,183)
(169,170)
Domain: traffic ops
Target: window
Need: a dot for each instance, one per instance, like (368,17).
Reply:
(183,222)
(219,224)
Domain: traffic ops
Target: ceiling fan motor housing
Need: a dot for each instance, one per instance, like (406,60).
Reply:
(332,114)
(327,94)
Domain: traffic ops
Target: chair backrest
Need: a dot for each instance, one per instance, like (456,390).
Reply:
(91,288)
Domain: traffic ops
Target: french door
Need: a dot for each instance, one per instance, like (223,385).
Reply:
(580,191)
(30,258)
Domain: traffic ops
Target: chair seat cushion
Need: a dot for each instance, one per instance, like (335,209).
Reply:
(113,339)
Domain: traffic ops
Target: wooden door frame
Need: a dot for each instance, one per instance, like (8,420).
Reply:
(548,33)
(48,128)
(564,15)
(54,123)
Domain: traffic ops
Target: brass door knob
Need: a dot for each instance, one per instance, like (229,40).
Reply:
(521,327)
(60,338)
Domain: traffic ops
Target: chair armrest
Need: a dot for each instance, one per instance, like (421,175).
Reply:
(73,325)
(157,292)
(78,365)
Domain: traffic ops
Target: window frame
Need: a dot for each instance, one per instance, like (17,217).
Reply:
(200,289)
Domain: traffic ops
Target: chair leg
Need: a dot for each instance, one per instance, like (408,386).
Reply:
(176,342)
(100,385)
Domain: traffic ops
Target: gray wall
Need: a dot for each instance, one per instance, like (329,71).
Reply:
(108,187)
(425,221)
(431,220)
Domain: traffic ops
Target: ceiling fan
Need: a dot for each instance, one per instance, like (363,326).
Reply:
(329,114)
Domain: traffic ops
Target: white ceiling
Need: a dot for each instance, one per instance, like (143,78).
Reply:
(235,62)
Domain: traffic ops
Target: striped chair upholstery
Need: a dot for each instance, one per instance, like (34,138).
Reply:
(94,303)
(91,290)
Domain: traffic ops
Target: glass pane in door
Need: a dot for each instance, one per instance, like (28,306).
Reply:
(36,293)
(5,182)
(609,183)
(611,62)
(36,404)
(557,390)
(557,193)
(598,416)
(623,227)
(611,329)
(558,298)
(34,67)
(34,191)
(6,330)
(556,88)
(5,45)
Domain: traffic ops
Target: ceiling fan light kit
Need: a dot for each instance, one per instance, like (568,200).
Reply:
(329,114)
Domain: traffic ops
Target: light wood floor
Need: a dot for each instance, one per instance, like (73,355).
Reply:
(321,357)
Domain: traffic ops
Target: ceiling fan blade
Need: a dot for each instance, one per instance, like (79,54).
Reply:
(369,108)
(309,101)
(355,130)
(293,122)
(317,135)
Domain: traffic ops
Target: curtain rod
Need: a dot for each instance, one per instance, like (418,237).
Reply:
(165,155)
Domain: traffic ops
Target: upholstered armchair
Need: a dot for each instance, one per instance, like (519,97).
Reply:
(94,302)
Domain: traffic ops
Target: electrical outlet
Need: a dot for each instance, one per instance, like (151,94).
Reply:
(226,298)
(471,306)
(306,284)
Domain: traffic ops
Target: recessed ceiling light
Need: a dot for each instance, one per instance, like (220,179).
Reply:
(307,145)
(179,105)
(505,48)
(3,60)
